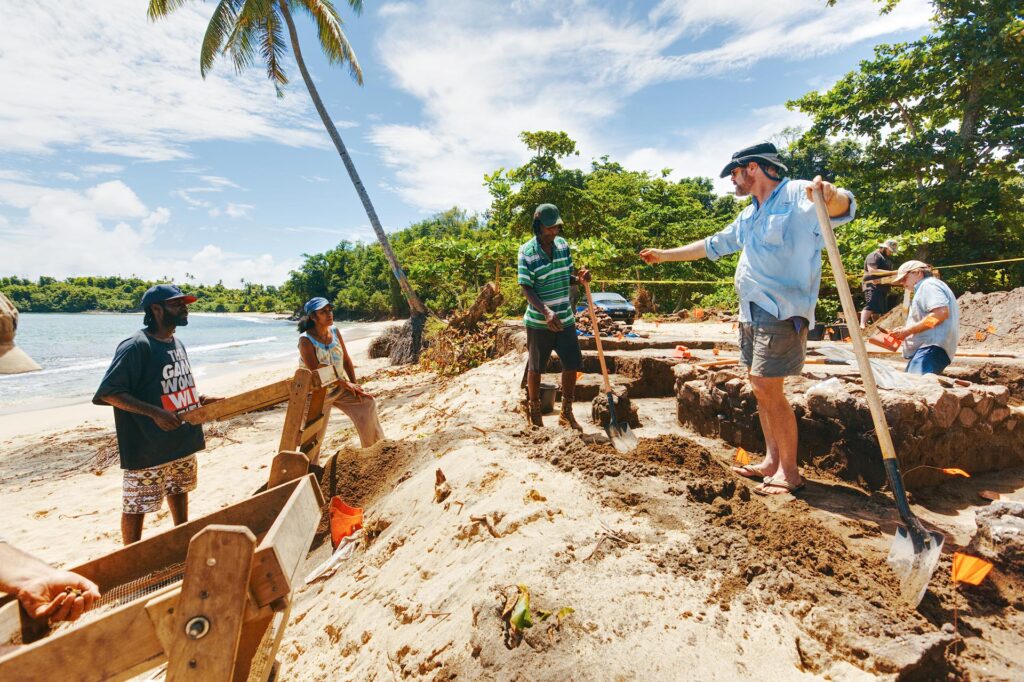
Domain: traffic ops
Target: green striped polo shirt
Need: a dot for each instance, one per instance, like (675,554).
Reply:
(549,278)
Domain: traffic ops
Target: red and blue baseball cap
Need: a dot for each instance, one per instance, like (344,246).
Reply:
(160,293)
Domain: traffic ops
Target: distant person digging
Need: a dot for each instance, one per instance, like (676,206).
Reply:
(933,322)
(777,279)
(876,296)
(545,273)
(149,383)
(321,345)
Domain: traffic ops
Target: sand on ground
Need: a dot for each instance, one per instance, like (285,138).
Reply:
(672,569)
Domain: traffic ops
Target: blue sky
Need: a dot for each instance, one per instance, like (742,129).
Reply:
(117,158)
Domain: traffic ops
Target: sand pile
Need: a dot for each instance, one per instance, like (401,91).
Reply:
(992,321)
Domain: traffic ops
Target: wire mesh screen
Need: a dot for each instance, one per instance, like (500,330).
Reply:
(128,592)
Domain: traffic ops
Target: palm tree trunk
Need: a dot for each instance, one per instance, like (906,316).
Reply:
(416,306)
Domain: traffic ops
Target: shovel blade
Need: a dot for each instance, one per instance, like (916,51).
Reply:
(622,438)
(914,568)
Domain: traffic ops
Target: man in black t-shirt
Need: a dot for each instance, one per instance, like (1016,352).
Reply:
(149,383)
(876,296)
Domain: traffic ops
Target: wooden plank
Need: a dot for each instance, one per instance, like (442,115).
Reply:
(264,396)
(293,531)
(313,427)
(121,641)
(249,643)
(295,418)
(287,466)
(276,644)
(213,601)
(325,376)
(256,513)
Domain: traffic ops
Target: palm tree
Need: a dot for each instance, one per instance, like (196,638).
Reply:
(240,28)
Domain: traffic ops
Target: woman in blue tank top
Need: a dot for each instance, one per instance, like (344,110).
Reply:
(321,345)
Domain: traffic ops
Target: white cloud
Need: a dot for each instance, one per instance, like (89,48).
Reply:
(705,153)
(485,72)
(105,79)
(107,230)
(186,196)
(102,169)
(66,176)
(218,181)
(233,211)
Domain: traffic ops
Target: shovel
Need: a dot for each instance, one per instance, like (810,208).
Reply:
(915,551)
(622,438)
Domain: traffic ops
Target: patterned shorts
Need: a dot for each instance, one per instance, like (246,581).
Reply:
(143,490)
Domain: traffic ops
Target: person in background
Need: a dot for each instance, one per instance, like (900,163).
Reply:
(777,278)
(44,591)
(150,385)
(876,296)
(545,273)
(933,323)
(321,345)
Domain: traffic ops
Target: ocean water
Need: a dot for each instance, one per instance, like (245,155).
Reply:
(74,350)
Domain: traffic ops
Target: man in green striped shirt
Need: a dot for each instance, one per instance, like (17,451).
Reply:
(545,273)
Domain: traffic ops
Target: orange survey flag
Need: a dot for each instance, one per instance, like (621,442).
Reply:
(956,472)
(742,457)
(345,520)
(969,569)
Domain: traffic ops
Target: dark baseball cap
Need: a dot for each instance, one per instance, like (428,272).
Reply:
(159,293)
(548,215)
(765,151)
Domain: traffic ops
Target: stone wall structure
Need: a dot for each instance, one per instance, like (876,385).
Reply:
(971,428)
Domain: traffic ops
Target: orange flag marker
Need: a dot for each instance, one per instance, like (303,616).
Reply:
(742,457)
(969,569)
(991,329)
(956,472)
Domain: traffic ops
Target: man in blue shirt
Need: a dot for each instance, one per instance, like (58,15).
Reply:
(777,279)
(933,322)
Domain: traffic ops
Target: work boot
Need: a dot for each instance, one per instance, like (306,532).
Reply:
(567,418)
(533,413)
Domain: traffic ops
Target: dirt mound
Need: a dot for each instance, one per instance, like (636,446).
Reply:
(362,476)
(1001,311)
(759,555)
(667,456)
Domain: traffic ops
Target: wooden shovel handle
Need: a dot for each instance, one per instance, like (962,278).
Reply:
(597,336)
(857,340)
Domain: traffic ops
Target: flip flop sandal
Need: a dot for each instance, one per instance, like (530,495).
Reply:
(770,482)
(747,471)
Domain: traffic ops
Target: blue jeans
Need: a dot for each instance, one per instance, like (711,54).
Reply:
(928,360)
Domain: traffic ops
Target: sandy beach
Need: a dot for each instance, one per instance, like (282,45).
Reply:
(671,568)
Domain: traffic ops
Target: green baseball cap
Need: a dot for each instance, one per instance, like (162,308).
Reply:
(548,215)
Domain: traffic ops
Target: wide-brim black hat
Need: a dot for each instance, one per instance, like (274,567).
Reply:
(764,151)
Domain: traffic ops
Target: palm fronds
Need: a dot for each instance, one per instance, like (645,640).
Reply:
(162,8)
(332,39)
(221,25)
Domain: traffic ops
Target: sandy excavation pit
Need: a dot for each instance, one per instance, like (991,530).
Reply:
(828,575)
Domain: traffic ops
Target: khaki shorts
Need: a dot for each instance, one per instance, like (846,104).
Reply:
(771,347)
(143,490)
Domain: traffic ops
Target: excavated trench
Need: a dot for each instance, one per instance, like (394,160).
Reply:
(977,428)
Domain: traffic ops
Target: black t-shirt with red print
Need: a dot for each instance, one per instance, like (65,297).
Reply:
(156,372)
